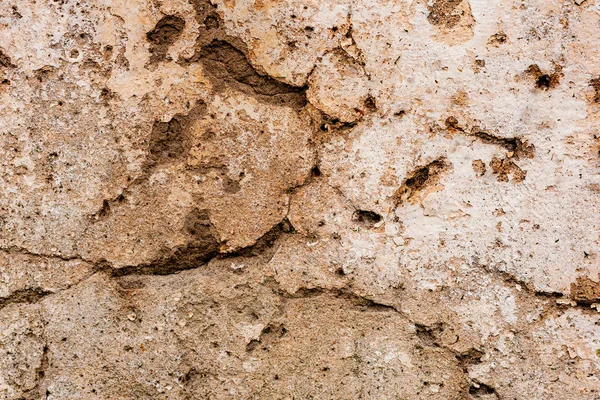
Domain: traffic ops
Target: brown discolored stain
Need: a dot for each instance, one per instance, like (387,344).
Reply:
(444,13)
(327,128)
(503,167)
(203,8)
(478,167)
(5,60)
(497,39)
(585,290)
(163,35)
(478,65)
(595,84)
(16,13)
(227,65)
(106,95)
(420,179)
(128,283)
(460,98)
(545,80)
(121,60)
(167,139)
(169,142)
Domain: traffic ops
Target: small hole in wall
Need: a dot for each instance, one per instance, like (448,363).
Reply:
(211,22)
(74,53)
(370,104)
(315,171)
(481,390)
(543,82)
(366,218)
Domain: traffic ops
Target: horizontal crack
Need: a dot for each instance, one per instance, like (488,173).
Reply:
(515,145)
(569,303)
(343,293)
(17,250)
(35,295)
(24,296)
(184,258)
(464,359)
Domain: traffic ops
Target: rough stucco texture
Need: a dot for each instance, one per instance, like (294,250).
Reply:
(300,199)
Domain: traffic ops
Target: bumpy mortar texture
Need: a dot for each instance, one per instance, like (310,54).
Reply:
(299,199)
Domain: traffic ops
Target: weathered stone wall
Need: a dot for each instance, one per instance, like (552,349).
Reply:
(299,199)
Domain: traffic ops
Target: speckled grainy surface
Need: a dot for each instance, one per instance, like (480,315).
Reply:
(300,199)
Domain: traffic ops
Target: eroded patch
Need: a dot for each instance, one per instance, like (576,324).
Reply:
(5,60)
(226,65)
(545,80)
(171,140)
(478,167)
(453,20)
(368,219)
(506,170)
(498,39)
(445,13)
(585,290)
(420,179)
(166,32)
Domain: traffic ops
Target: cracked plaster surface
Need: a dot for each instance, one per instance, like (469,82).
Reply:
(299,199)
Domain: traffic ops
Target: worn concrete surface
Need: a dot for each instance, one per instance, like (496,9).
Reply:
(300,199)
